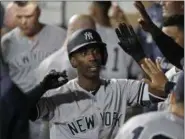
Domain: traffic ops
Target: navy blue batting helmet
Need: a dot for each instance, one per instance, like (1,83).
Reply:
(84,38)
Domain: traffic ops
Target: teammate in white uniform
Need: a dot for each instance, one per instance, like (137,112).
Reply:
(88,106)
(159,125)
(59,60)
(119,63)
(27,45)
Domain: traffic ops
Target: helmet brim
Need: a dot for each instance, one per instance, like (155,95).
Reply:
(87,44)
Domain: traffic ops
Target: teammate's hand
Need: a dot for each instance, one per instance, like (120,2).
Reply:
(54,80)
(129,41)
(157,79)
(145,20)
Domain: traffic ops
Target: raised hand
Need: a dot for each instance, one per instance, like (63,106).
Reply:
(129,41)
(145,20)
(157,79)
(54,80)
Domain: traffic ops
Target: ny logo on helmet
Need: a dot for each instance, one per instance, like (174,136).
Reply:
(88,36)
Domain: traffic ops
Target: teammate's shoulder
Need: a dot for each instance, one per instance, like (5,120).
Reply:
(66,88)
(146,118)
(70,84)
(53,62)
(55,28)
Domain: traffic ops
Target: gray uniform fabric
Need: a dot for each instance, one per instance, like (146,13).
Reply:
(76,113)
(59,61)
(172,76)
(153,124)
(119,64)
(23,56)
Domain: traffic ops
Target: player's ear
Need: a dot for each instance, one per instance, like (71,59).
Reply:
(73,62)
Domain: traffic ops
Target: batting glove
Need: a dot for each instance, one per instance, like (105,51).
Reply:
(129,41)
(54,80)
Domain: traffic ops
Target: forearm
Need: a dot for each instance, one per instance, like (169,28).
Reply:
(34,95)
(170,49)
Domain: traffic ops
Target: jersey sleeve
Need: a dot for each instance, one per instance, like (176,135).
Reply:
(133,90)
(46,106)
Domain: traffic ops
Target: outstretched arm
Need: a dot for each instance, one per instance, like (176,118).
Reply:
(166,44)
(51,81)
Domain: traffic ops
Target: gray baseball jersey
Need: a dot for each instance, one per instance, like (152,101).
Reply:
(153,125)
(172,76)
(23,55)
(59,61)
(75,113)
(119,64)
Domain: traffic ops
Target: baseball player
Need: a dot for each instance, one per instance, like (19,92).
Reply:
(119,64)
(59,60)
(14,104)
(27,45)
(88,106)
(159,125)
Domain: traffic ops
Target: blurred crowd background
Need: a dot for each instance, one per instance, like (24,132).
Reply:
(59,13)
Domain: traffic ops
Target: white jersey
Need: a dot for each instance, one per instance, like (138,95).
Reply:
(58,61)
(153,125)
(23,55)
(75,113)
(119,64)
(172,74)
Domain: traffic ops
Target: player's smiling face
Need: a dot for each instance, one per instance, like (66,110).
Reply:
(88,61)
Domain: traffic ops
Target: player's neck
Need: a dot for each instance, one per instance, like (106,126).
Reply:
(37,29)
(89,84)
